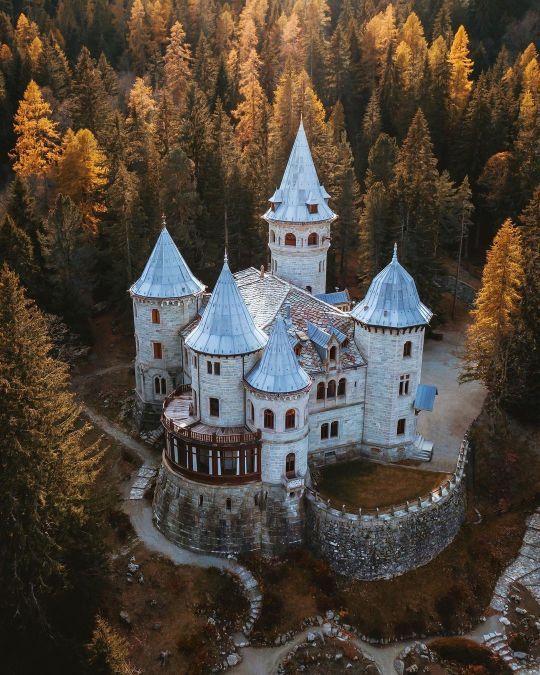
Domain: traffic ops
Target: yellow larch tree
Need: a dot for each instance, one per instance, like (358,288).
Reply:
(461,66)
(36,148)
(177,65)
(81,174)
(495,311)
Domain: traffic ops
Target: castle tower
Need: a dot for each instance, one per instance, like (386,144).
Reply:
(278,393)
(223,348)
(165,298)
(299,220)
(389,329)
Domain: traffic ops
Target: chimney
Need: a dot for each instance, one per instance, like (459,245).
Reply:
(262,272)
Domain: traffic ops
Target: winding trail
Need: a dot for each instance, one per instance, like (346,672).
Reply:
(255,660)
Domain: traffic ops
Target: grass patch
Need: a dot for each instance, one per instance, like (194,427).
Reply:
(367,485)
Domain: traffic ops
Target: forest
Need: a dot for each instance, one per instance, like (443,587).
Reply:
(423,119)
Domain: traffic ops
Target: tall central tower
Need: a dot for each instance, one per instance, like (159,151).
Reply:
(299,220)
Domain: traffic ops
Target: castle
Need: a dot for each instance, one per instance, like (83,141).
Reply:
(270,370)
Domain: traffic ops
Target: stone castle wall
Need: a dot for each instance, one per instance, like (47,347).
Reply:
(390,543)
(196,515)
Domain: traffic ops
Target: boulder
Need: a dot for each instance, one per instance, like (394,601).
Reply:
(233,660)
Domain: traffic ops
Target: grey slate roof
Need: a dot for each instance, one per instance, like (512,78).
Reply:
(226,327)
(278,371)
(166,274)
(425,397)
(392,300)
(299,187)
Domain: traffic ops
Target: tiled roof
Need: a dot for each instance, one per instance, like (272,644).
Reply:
(166,274)
(267,295)
(226,327)
(278,371)
(299,187)
(392,300)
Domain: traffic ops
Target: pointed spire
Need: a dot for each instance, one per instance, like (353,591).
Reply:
(392,300)
(166,274)
(299,188)
(278,371)
(226,328)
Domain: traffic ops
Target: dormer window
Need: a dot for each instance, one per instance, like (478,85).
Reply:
(333,353)
(313,208)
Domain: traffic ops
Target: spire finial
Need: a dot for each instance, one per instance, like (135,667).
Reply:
(394,257)
(226,258)
(163,221)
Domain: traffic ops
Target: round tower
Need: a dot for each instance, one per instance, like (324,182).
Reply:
(299,221)
(165,299)
(277,399)
(389,329)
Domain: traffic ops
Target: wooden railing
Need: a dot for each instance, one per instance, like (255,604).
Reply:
(214,439)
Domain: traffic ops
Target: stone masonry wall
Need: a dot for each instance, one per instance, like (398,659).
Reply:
(261,517)
(391,543)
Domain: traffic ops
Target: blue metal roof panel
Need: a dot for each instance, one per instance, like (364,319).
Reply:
(425,397)
(392,300)
(278,371)
(336,298)
(166,274)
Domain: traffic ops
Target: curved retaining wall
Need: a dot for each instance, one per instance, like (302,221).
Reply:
(391,542)
(258,517)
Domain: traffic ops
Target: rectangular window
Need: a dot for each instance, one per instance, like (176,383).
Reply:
(209,367)
(228,462)
(155,316)
(404,385)
(407,348)
(250,460)
(158,352)
(214,407)
(194,361)
(217,369)
(324,431)
(203,460)
(401,426)
(334,429)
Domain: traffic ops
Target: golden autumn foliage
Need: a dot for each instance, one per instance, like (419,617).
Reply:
(81,172)
(460,71)
(494,314)
(36,148)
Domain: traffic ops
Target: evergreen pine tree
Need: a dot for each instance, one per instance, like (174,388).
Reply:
(46,477)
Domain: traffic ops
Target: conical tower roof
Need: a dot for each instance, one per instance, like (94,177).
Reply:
(278,371)
(392,300)
(299,188)
(226,328)
(166,274)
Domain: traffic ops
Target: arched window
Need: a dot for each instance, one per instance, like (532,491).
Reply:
(290,239)
(268,419)
(290,419)
(334,429)
(157,385)
(313,239)
(290,462)
(324,431)
(228,503)
(331,390)
(342,387)
(320,391)
(155,316)
(407,348)
(272,236)
(194,402)
(251,412)
(333,353)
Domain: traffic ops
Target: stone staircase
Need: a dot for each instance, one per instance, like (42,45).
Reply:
(497,643)
(145,475)
(154,436)
(422,450)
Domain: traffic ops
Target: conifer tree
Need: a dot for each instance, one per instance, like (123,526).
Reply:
(16,250)
(55,67)
(46,474)
(91,108)
(371,122)
(489,338)
(108,652)
(527,146)
(177,66)
(81,174)
(139,36)
(36,148)
(461,67)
